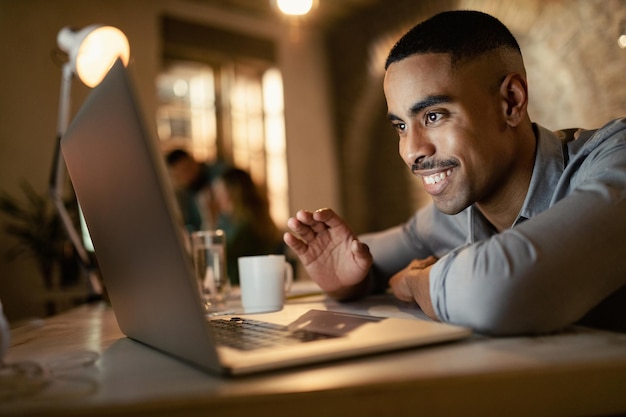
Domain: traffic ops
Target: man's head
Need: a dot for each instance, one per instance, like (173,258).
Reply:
(184,170)
(462,34)
(457,96)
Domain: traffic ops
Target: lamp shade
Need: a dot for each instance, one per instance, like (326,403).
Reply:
(93,50)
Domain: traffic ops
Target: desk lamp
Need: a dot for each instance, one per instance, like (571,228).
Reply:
(91,51)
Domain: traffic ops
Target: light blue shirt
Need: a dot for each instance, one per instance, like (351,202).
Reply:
(564,255)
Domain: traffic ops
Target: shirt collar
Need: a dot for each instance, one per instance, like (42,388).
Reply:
(547,170)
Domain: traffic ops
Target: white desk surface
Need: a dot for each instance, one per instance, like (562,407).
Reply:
(90,369)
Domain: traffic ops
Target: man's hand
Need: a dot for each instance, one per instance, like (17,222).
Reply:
(331,254)
(412,284)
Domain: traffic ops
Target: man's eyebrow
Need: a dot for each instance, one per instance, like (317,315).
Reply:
(392,117)
(423,104)
(428,102)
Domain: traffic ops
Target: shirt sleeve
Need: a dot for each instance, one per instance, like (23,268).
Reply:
(418,238)
(548,271)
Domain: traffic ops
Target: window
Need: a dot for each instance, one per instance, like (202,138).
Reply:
(186,116)
(225,106)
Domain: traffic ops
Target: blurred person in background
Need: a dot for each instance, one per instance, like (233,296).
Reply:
(243,214)
(192,182)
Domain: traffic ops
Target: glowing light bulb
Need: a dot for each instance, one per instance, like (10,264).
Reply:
(295,7)
(93,50)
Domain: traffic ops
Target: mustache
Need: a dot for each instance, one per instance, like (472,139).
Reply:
(429,164)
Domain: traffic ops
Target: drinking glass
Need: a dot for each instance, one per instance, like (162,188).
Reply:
(209,258)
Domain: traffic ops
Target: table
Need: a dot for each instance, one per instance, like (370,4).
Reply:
(88,368)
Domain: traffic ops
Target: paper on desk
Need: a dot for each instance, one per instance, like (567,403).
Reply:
(298,289)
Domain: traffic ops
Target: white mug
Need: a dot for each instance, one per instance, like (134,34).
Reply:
(264,280)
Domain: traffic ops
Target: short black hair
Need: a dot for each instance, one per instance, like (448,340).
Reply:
(176,155)
(464,34)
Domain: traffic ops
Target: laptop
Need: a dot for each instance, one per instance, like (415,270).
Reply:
(121,183)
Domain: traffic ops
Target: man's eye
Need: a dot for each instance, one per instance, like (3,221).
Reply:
(400,127)
(433,117)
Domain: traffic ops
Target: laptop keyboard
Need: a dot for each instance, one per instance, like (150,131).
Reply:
(248,334)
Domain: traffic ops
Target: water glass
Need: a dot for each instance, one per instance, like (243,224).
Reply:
(209,258)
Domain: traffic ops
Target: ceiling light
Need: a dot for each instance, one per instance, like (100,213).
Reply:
(295,7)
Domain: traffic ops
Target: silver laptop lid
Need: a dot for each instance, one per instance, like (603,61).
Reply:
(121,183)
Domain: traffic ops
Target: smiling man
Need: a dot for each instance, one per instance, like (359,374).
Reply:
(527,230)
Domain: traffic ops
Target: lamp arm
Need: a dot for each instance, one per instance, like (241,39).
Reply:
(64,99)
(58,164)
(57,181)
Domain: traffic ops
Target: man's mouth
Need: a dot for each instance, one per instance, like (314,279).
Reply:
(437,177)
(435,174)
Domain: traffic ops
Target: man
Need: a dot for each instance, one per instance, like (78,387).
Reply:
(192,181)
(527,230)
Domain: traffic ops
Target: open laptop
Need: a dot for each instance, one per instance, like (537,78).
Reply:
(121,183)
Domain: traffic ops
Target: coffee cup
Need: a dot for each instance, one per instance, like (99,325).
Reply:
(264,281)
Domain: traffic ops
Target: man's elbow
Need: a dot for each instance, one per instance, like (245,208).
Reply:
(511,313)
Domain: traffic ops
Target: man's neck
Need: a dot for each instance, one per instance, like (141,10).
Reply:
(503,213)
(502,210)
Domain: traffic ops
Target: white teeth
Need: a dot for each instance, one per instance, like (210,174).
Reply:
(435,178)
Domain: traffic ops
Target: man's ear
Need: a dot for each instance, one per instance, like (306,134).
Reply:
(514,94)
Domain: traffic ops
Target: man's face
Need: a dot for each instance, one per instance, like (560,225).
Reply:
(184,172)
(451,127)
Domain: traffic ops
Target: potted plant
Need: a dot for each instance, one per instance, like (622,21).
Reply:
(37,228)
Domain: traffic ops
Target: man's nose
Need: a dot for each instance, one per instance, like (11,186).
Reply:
(415,147)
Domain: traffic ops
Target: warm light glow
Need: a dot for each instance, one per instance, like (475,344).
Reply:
(622,41)
(98,53)
(295,7)
(180,88)
(273,91)
(93,51)
(276,145)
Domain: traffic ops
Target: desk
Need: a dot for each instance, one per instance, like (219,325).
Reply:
(91,369)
